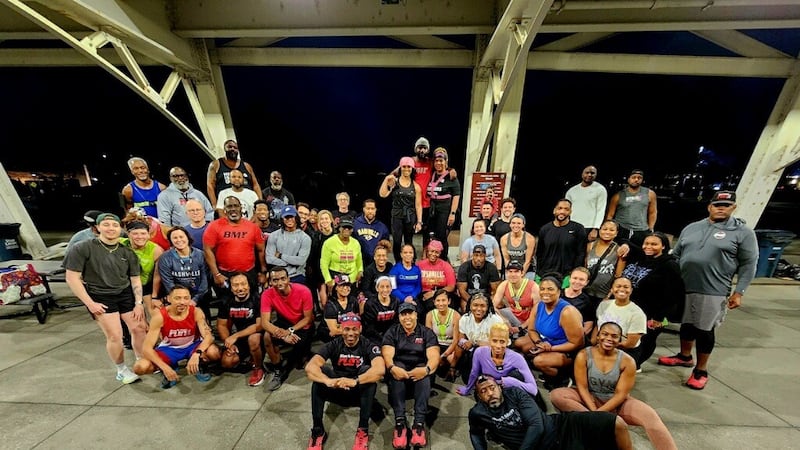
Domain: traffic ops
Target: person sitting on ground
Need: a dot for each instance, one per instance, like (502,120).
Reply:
(343,302)
(443,320)
(555,334)
(627,314)
(379,312)
(604,378)
(239,328)
(411,353)
(576,297)
(408,277)
(476,276)
(515,298)
(473,331)
(503,364)
(185,335)
(477,237)
(436,274)
(510,416)
(379,267)
(351,379)
(294,323)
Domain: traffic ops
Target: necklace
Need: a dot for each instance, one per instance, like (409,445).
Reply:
(108,248)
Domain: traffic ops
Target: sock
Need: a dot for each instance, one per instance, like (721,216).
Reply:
(120,367)
(699,373)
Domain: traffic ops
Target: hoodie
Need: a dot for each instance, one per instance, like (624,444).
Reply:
(657,286)
(711,253)
(171,205)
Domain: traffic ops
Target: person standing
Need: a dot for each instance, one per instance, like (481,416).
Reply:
(562,242)
(508,208)
(172,201)
(289,246)
(276,196)
(634,209)
(406,205)
(104,275)
(143,191)
(589,200)
(711,251)
(219,172)
(369,231)
(246,196)
(444,193)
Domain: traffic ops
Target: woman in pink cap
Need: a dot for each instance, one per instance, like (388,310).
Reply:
(406,205)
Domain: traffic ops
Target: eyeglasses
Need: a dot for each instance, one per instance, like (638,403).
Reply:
(178,175)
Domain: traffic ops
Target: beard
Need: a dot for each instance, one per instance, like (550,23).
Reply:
(232,155)
(422,154)
(276,187)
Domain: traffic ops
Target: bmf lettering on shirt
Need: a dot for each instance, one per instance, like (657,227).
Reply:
(234,234)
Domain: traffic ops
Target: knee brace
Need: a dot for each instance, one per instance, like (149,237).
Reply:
(688,332)
(705,341)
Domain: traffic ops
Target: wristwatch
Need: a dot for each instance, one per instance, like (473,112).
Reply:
(291,330)
(427,370)
(198,351)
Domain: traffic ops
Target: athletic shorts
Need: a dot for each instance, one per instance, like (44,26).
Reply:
(116,303)
(172,355)
(705,312)
(244,346)
(586,430)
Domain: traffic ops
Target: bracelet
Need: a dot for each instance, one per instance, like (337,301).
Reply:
(389,369)
(217,274)
(452,213)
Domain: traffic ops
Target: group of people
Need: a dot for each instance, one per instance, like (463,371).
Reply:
(578,302)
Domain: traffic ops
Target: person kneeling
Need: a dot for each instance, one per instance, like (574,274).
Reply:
(179,324)
(510,416)
(242,313)
(356,367)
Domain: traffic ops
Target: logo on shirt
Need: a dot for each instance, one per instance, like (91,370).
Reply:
(350,360)
(419,341)
(719,235)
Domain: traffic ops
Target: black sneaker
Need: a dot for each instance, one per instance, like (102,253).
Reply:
(276,381)
(166,384)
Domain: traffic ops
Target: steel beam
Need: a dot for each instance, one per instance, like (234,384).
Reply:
(574,42)
(741,44)
(422,41)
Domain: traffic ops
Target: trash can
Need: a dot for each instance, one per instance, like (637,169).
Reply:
(9,241)
(770,250)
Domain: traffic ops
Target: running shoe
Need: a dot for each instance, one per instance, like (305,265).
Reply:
(317,439)
(418,437)
(697,380)
(676,360)
(256,377)
(400,436)
(126,376)
(362,440)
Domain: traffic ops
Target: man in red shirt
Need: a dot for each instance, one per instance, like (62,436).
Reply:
(231,244)
(294,323)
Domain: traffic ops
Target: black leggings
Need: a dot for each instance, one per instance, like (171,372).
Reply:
(401,233)
(437,224)
(647,345)
(397,396)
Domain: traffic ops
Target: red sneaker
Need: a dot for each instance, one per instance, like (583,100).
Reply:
(676,360)
(318,438)
(400,437)
(362,440)
(256,377)
(418,438)
(697,381)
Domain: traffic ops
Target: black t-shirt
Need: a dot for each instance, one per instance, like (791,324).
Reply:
(333,310)
(517,422)
(241,314)
(560,249)
(347,361)
(410,349)
(442,185)
(377,318)
(584,305)
(371,274)
(478,280)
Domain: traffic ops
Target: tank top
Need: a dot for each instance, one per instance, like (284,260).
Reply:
(601,284)
(519,300)
(547,324)
(403,202)
(518,253)
(444,330)
(145,198)
(631,210)
(224,175)
(147,260)
(602,384)
(178,333)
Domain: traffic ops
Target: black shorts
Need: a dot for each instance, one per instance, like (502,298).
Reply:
(586,430)
(244,346)
(116,303)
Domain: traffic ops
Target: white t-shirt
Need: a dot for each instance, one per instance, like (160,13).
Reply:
(588,204)
(477,331)
(630,317)
(247,198)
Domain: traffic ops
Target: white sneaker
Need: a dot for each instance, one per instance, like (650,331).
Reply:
(126,376)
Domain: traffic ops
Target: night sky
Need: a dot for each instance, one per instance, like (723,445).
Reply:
(302,120)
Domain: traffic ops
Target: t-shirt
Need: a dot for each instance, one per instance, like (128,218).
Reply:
(410,349)
(477,331)
(478,280)
(242,314)
(561,249)
(105,270)
(487,241)
(435,276)
(583,304)
(630,317)
(292,307)
(334,311)
(233,244)
(378,318)
(247,197)
(347,361)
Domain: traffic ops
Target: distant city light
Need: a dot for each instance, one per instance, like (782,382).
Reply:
(701,149)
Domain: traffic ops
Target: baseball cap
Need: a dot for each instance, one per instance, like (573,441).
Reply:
(137,225)
(346,223)
(637,171)
(723,198)
(422,142)
(406,306)
(514,265)
(105,216)
(288,210)
(341,279)
(91,216)
(351,319)
(479,249)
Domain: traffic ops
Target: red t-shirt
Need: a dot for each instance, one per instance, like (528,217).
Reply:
(234,244)
(292,307)
(436,275)
(424,172)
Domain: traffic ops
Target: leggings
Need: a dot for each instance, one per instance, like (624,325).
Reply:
(365,393)
(401,232)
(633,412)
(397,397)
(647,345)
